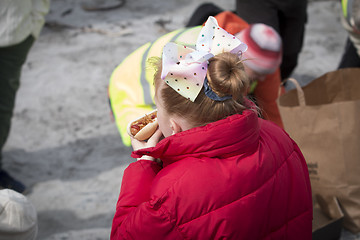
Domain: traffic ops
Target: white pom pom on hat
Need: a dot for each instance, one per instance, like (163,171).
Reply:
(264,53)
(18,217)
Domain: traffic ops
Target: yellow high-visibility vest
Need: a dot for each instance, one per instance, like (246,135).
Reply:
(131,88)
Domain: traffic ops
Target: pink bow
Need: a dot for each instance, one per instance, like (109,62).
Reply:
(184,69)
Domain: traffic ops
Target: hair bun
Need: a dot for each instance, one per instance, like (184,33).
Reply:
(226,75)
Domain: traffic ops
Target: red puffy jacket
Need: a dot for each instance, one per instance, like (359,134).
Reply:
(237,178)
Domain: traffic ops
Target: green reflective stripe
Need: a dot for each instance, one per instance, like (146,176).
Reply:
(253,86)
(344,7)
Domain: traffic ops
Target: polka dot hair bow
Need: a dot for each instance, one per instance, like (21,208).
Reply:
(184,69)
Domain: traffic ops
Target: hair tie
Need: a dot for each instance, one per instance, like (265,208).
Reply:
(211,94)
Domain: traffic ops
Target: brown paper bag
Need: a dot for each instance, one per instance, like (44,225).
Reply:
(324,119)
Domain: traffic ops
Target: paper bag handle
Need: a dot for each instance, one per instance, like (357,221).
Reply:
(300,92)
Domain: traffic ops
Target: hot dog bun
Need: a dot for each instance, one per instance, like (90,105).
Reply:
(143,127)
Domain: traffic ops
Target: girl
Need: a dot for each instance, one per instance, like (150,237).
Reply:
(225,173)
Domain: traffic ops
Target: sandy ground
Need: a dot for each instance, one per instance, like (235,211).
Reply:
(63,143)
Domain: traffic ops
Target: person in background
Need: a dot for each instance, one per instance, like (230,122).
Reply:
(350,19)
(18,217)
(262,66)
(287,17)
(20,24)
(225,173)
(264,56)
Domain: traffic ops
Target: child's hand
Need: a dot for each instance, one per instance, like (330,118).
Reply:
(151,142)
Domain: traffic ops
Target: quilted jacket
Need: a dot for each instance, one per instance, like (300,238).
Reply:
(238,178)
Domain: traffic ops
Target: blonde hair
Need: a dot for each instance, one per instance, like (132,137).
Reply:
(226,76)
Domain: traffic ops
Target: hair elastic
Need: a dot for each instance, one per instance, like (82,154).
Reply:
(211,94)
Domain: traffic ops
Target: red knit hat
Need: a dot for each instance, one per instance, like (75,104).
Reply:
(264,51)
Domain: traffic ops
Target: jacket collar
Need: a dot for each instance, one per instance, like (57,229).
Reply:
(237,134)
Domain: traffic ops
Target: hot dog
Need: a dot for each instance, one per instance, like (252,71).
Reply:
(143,127)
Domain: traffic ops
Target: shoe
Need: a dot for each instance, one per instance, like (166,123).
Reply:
(6,181)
